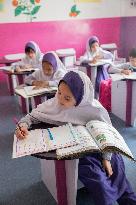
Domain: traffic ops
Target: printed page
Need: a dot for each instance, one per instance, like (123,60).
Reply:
(35,142)
(132,76)
(63,136)
(117,76)
(44,140)
(105,135)
(30,91)
(86,143)
(120,76)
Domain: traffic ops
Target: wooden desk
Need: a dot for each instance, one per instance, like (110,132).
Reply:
(15,56)
(19,90)
(19,75)
(67,56)
(59,176)
(123,100)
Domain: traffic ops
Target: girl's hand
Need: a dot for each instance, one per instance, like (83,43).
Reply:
(107,166)
(94,60)
(21,132)
(126,71)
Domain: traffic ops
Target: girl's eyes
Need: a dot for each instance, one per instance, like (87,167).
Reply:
(67,99)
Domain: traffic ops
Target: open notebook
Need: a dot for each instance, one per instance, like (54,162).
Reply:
(44,140)
(120,76)
(30,91)
(97,136)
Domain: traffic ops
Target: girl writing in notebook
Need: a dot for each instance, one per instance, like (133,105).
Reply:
(94,53)
(103,174)
(50,74)
(32,59)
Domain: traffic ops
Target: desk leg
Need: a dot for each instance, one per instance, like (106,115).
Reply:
(60,172)
(72,177)
(23,105)
(20,79)
(128,102)
(37,100)
(93,75)
(10,84)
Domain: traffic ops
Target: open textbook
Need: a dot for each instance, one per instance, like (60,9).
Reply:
(96,136)
(31,91)
(44,140)
(120,76)
(70,141)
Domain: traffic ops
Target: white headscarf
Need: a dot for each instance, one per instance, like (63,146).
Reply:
(36,62)
(89,55)
(57,75)
(51,112)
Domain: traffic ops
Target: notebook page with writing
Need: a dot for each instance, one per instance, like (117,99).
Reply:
(30,91)
(39,140)
(105,135)
(86,143)
(33,143)
(63,136)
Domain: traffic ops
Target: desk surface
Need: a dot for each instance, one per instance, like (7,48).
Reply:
(6,61)
(19,90)
(101,62)
(16,56)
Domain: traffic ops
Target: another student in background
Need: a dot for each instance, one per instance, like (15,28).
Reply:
(32,59)
(51,73)
(92,55)
(126,68)
(102,174)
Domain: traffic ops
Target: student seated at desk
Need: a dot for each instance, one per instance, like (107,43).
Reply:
(50,74)
(124,68)
(32,59)
(102,174)
(92,55)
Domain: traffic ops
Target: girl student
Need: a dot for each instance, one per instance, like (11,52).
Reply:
(92,55)
(50,74)
(32,59)
(102,174)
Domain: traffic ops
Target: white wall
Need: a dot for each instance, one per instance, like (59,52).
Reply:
(59,10)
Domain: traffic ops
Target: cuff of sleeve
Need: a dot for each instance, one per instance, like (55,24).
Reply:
(107,156)
(52,83)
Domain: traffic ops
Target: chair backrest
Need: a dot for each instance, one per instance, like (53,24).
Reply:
(112,47)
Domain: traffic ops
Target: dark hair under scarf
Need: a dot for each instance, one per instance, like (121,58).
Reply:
(29,46)
(76,85)
(50,58)
(92,40)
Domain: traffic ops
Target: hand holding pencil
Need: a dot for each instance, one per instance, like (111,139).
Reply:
(21,131)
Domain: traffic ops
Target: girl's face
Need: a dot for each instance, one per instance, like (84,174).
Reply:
(47,68)
(65,96)
(31,54)
(94,47)
(132,61)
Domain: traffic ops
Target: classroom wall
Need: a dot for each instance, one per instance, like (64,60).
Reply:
(127,35)
(54,28)
(58,34)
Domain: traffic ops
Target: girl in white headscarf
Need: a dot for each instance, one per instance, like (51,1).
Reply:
(92,55)
(75,103)
(51,73)
(32,59)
